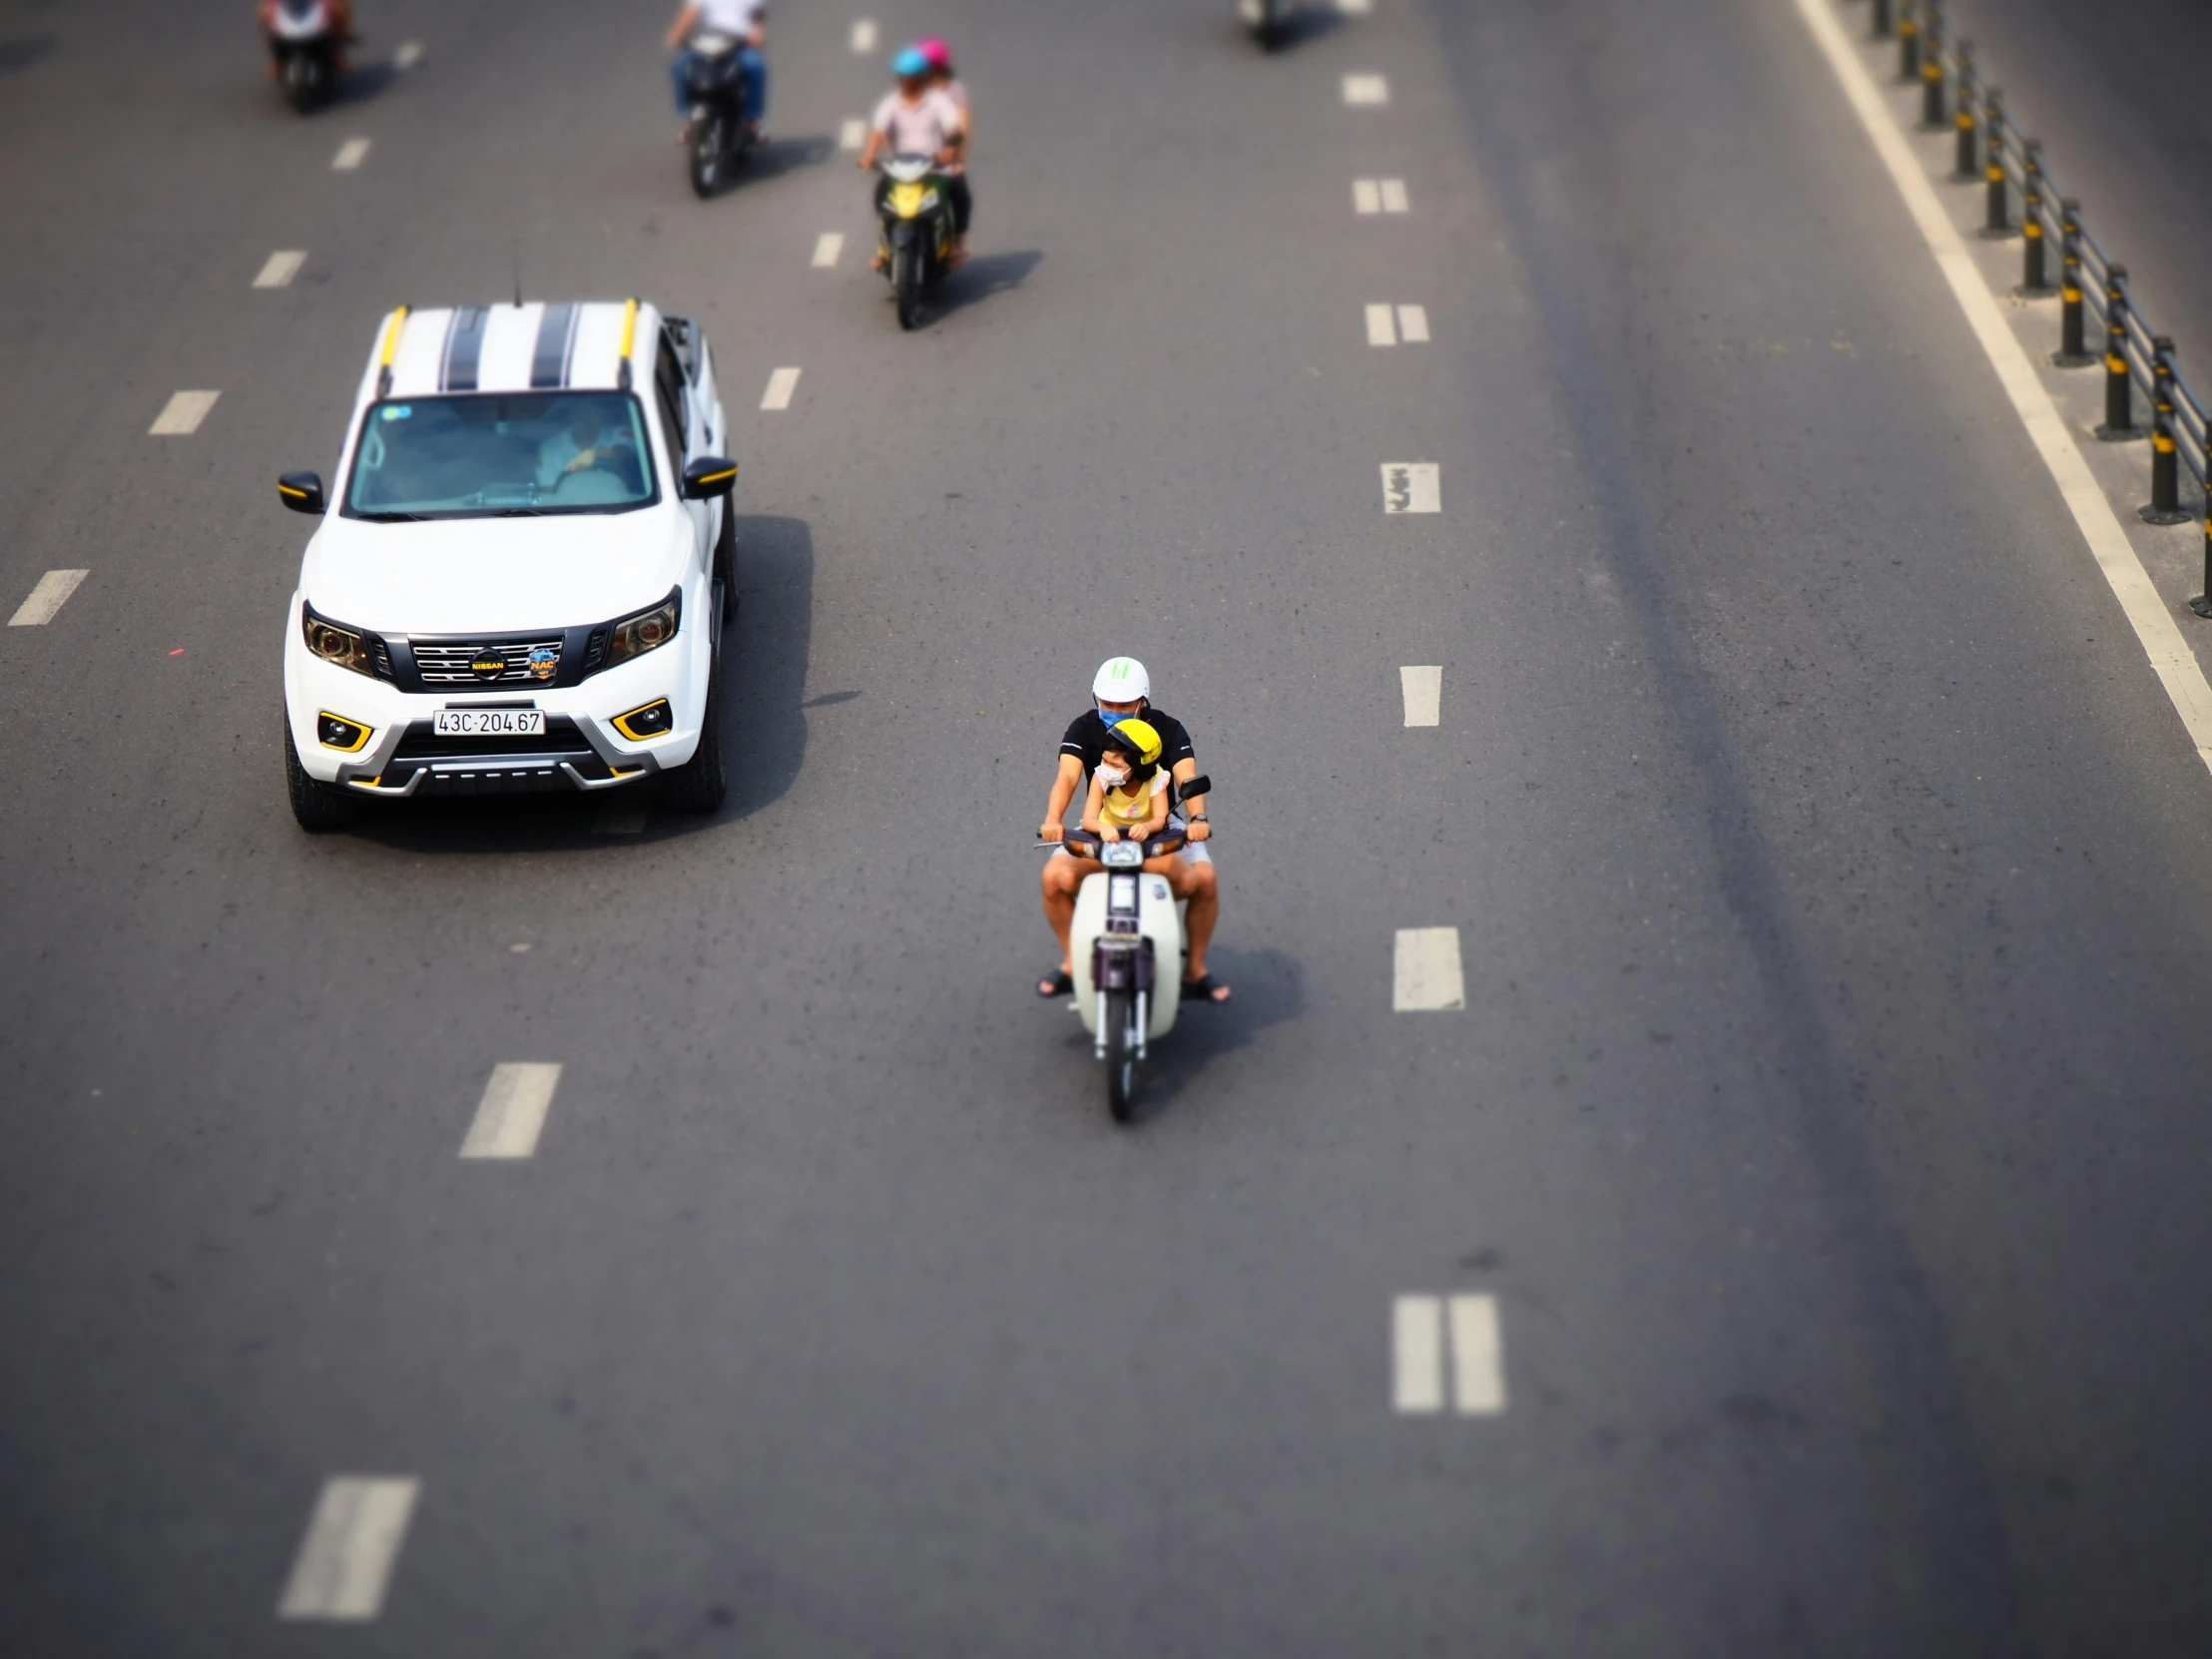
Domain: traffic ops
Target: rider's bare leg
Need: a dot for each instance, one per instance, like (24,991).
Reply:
(1197,885)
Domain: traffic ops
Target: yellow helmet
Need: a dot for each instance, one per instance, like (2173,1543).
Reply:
(1135,738)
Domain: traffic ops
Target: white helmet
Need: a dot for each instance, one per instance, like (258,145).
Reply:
(1121,680)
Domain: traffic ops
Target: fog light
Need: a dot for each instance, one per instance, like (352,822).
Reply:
(336,731)
(648,722)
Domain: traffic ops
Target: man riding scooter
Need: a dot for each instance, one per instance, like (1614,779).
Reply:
(1122,690)
(743,20)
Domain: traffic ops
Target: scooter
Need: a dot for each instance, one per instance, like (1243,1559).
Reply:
(1269,21)
(916,231)
(720,137)
(1125,951)
(304,44)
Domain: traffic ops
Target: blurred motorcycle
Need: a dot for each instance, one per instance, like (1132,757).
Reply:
(304,39)
(720,137)
(916,231)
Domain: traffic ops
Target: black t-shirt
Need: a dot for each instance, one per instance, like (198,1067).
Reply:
(1086,738)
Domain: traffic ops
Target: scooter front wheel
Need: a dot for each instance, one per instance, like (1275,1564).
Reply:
(906,286)
(1120,1054)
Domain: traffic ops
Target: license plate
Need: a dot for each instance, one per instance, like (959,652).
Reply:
(489,722)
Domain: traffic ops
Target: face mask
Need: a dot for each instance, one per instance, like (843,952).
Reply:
(1111,719)
(1113,777)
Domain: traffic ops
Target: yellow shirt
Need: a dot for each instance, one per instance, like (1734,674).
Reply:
(1127,807)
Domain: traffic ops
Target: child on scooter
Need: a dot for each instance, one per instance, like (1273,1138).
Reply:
(1129,793)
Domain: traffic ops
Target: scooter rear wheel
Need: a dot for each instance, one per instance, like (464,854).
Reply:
(1121,1055)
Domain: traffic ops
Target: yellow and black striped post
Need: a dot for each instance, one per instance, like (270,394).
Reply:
(2202,604)
(2119,415)
(1996,223)
(2033,282)
(2073,351)
(1965,170)
(1881,19)
(1932,70)
(2165,464)
(1909,43)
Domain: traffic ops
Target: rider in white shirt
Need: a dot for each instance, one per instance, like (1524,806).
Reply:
(743,20)
(915,119)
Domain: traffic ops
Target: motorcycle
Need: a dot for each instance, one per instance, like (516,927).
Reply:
(720,137)
(1269,21)
(1126,951)
(304,44)
(916,231)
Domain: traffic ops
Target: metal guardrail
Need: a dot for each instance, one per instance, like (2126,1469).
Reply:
(2024,200)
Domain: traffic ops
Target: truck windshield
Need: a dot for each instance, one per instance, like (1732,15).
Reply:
(489,454)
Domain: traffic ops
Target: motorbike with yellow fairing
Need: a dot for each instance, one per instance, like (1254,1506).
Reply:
(914,215)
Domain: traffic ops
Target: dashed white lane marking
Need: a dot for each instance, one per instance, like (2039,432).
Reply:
(1355,8)
(1413,325)
(353,1538)
(1424,691)
(52,592)
(1425,973)
(828,246)
(351,156)
(280,269)
(864,35)
(182,414)
(619,817)
(852,134)
(1366,89)
(1418,1324)
(1413,487)
(1382,326)
(1394,196)
(1478,1357)
(781,385)
(1366,199)
(1418,1354)
(511,1115)
(2155,629)
(408,55)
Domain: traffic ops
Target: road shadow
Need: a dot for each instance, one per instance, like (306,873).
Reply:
(1309,23)
(1267,989)
(982,277)
(764,652)
(365,83)
(784,155)
(20,53)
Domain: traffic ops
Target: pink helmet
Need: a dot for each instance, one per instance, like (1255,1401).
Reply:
(937,52)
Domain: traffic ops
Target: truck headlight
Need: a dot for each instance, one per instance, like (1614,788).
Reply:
(335,643)
(644,631)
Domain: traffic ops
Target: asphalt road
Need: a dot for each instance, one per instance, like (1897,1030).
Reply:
(1832,877)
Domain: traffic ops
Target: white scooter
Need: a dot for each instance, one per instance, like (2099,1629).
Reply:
(1125,951)
(1269,20)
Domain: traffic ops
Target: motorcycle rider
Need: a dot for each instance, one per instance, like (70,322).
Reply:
(915,119)
(1122,691)
(942,76)
(1129,792)
(741,20)
(341,32)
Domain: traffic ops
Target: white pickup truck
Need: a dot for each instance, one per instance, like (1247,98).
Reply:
(520,574)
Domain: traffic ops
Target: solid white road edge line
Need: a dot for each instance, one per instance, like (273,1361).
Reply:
(828,246)
(511,1115)
(1413,325)
(781,385)
(1416,1354)
(52,592)
(280,269)
(1478,1357)
(182,414)
(1425,973)
(1382,327)
(351,155)
(353,1538)
(2170,657)
(1424,691)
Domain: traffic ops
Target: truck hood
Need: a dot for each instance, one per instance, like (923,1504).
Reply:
(494,575)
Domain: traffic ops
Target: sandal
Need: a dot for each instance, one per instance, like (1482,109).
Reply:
(1205,989)
(1058,985)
